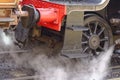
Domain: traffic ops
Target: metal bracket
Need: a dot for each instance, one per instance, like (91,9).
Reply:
(78,28)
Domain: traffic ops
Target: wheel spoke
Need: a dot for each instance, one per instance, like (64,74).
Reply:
(96,25)
(90,29)
(101,48)
(104,39)
(85,50)
(85,42)
(101,31)
(97,38)
(86,35)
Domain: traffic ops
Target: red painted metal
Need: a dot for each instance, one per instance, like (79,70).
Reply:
(47,15)
(51,14)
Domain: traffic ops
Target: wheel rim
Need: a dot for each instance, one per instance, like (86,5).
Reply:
(96,39)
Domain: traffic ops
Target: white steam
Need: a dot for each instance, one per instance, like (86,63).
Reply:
(59,68)
(6,39)
(99,66)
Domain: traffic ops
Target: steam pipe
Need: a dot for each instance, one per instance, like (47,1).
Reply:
(87,6)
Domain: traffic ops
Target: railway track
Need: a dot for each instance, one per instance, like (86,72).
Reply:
(9,70)
(114,73)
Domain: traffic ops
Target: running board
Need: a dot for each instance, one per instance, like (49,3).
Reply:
(74,54)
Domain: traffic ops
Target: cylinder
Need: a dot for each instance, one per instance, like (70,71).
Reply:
(47,15)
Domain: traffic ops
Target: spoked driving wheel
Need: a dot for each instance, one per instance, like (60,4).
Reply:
(99,36)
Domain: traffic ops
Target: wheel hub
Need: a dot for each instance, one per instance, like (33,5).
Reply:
(94,41)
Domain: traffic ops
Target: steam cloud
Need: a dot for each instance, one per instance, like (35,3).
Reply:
(61,68)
